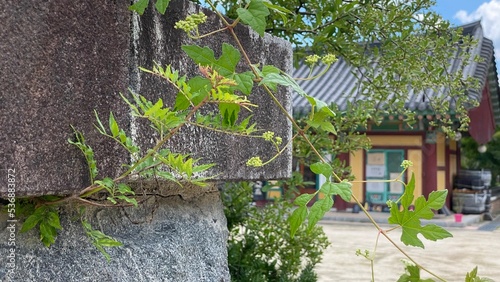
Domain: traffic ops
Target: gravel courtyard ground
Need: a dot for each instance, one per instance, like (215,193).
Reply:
(450,258)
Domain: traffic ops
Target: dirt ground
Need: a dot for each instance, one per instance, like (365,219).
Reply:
(450,258)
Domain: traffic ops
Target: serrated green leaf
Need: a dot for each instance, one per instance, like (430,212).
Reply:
(434,232)
(53,219)
(113,125)
(225,65)
(161,6)
(100,128)
(473,277)
(328,188)
(106,183)
(409,220)
(229,112)
(108,242)
(412,274)
(155,108)
(199,89)
(200,55)
(255,15)
(31,221)
(168,176)
(407,198)
(437,199)
(303,199)
(244,81)
(125,189)
(322,168)
(318,210)
(409,236)
(127,199)
(139,6)
(320,105)
(47,234)
(285,80)
(422,209)
(296,219)
(200,168)
(343,189)
(267,69)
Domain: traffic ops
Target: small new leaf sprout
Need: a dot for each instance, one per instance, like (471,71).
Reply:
(406,164)
(255,162)
(329,59)
(365,254)
(191,23)
(312,59)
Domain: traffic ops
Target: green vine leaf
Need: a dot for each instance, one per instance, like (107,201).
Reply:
(87,151)
(100,240)
(255,16)
(244,81)
(199,89)
(320,120)
(296,219)
(412,273)
(113,125)
(229,113)
(162,5)
(303,199)
(409,220)
(225,65)
(139,6)
(48,220)
(343,189)
(473,277)
(322,168)
(273,78)
(318,210)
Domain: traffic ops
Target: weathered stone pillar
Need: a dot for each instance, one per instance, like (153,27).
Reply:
(63,59)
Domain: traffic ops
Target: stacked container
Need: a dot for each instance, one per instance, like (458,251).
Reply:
(471,192)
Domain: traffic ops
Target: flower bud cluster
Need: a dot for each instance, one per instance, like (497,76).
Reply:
(406,164)
(327,59)
(255,162)
(191,22)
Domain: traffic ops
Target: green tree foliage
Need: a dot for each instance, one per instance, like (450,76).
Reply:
(260,247)
(393,45)
(472,159)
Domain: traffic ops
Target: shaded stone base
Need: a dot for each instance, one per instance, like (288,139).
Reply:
(177,235)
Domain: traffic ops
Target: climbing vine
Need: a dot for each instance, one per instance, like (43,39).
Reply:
(220,86)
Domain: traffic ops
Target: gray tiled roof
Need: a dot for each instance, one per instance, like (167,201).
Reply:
(339,83)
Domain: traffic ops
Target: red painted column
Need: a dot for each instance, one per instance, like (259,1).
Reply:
(448,173)
(340,204)
(429,171)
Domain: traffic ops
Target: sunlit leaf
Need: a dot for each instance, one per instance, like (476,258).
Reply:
(409,219)
(296,219)
(303,199)
(322,168)
(161,6)
(318,210)
(139,6)
(255,15)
